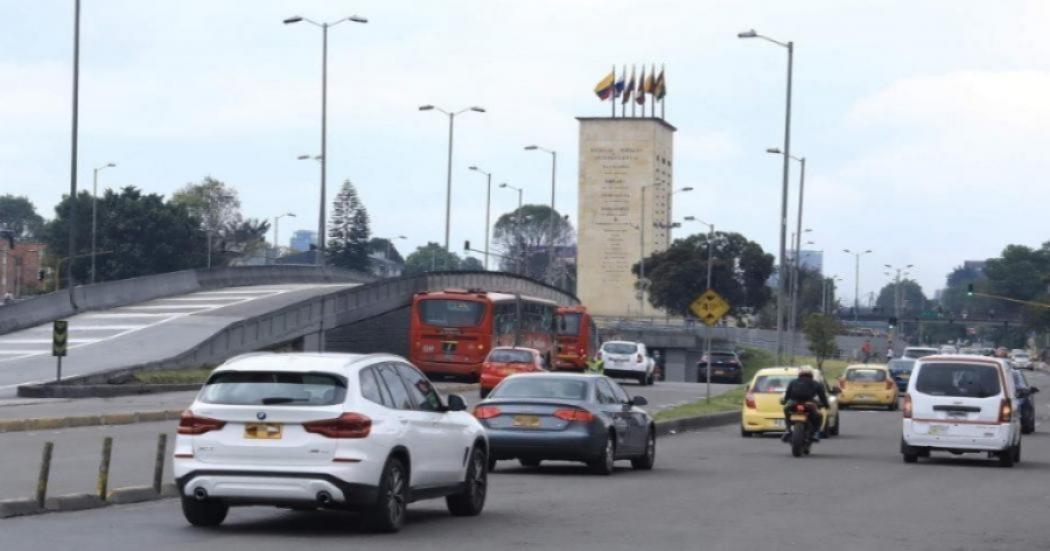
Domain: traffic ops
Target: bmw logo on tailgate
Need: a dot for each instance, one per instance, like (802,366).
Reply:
(261,416)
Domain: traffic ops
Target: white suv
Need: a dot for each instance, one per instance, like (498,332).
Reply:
(962,404)
(332,431)
(628,360)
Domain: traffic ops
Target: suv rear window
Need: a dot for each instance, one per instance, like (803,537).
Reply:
(865,375)
(273,388)
(959,380)
(619,348)
(772,383)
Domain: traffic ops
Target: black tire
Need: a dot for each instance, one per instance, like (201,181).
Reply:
(205,513)
(492,463)
(530,463)
(893,406)
(744,433)
(605,464)
(1007,456)
(834,430)
(641,380)
(388,514)
(471,501)
(650,380)
(1017,453)
(646,461)
(910,457)
(911,453)
(798,439)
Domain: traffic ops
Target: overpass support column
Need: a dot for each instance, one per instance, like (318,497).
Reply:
(674,364)
(312,342)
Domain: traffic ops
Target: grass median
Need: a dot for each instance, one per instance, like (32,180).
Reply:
(754,360)
(174,376)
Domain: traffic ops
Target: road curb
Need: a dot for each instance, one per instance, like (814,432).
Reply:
(19,507)
(673,426)
(80,502)
(52,423)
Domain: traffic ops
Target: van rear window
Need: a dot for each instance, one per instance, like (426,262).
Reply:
(958,380)
(273,388)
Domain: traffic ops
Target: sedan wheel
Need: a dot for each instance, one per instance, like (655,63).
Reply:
(648,459)
(607,462)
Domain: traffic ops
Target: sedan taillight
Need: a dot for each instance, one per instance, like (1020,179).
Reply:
(890,384)
(347,425)
(192,424)
(486,412)
(573,414)
(749,401)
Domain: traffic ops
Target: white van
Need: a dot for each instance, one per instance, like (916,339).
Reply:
(962,404)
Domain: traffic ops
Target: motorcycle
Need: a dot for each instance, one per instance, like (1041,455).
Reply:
(801,431)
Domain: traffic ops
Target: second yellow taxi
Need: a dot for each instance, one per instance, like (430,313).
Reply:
(762,411)
(868,385)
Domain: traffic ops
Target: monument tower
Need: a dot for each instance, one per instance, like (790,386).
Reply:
(625,194)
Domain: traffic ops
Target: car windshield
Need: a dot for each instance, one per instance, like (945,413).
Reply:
(569,324)
(541,387)
(916,353)
(956,379)
(865,375)
(451,313)
(901,366)
(273,388)
(504,355)
(772,383)
(619,348)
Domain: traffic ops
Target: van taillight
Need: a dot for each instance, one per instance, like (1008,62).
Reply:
(907,406)
(347,425)
(639,358)
(192,424)
(1006,411)
(749,400)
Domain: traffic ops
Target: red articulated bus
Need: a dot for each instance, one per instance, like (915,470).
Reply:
(577,338)
(452,331)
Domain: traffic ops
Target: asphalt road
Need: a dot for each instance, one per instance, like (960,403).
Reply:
(78,450)
(711,489)
(141,332)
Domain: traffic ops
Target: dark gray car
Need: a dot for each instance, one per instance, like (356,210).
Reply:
(568,417)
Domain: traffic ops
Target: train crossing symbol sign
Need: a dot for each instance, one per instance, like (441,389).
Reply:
(709,307)
(59,338)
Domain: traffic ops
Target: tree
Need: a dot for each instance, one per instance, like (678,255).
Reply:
(138,235)
(219,209)
(19,216)
(524,240)
(820,331)
(912,299)
(740,269)
(348,231)
(471,264)
(242,240)
(431,258)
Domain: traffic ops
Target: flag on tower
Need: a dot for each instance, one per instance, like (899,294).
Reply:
(640,96)
(621,83)
(604,88)
(661,86)
(630,88)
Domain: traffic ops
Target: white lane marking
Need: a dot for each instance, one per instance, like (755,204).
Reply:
(256,292)
(15,352)
(41,341)
(197,299)
(122,315)
(175,306)
(77,329)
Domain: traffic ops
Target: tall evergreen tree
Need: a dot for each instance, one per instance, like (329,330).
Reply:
(348,231)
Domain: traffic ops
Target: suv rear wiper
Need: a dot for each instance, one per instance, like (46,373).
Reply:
(277,400)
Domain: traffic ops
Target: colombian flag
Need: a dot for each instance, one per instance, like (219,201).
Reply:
(605,86)
(642,88)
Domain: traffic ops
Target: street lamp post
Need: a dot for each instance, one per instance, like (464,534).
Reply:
(488,208)
(324,118)
(784,186)
(707,328)
(518,189)
(73,151)
(553,221)
(448,183)
(276,239)
(94,213)
(856,281)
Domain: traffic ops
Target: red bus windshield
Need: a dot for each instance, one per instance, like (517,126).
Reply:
(451,313)
(569,324)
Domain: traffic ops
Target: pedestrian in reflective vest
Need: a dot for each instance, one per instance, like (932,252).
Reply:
(595,365)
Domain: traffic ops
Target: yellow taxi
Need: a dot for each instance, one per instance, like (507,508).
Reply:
(762,411)
(868,385)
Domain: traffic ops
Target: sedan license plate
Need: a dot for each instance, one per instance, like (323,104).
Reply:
(863,397)
(263,431)
(526,421)
(720,372)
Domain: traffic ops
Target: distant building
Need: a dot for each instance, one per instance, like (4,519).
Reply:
(20,268)
(302,239)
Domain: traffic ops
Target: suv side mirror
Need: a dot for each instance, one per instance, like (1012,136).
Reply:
(456,403)
(639,401)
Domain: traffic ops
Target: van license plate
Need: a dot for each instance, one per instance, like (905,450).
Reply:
(263,431)
(938,429)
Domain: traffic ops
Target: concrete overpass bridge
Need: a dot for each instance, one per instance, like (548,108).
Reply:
(202,317)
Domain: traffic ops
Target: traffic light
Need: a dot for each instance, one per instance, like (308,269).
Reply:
(466,245)
(969,290)
(893,322)
(59,337)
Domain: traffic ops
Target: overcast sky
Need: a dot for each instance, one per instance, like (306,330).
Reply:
(925,124)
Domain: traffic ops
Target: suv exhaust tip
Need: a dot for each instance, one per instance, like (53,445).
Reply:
(324,498)
(200,494)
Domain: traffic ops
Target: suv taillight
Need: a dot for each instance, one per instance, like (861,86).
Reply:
(906,407)
(574,414)
(1006,410)
(749,400)
(192,424)
(347,425)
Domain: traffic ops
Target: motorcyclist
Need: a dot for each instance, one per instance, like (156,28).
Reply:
(804,390)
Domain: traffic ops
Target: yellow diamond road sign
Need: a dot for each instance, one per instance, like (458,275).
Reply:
(709,307)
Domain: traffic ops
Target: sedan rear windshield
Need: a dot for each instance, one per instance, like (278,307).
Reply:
(451,313)
(901,366)
(273,388)
(541,387)
(619,348)
(865,375)
(510,356)
(959,380)
(772,383)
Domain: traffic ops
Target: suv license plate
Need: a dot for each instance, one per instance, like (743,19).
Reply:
(263,431)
